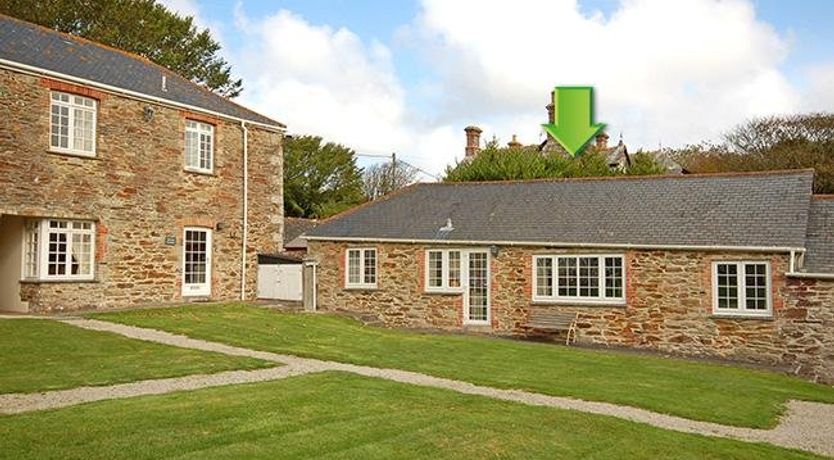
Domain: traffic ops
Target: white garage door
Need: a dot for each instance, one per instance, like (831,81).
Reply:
(280,282)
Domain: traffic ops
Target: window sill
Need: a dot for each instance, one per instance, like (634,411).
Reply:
(362,288)
(450,293)
(200,172)
(763,317)
(66,153)
(57,281)
(582,303)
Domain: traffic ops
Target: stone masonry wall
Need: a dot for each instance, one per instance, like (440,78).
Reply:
(668,304)
(137,192)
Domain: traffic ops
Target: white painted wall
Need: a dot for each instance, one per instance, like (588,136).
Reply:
(11,252)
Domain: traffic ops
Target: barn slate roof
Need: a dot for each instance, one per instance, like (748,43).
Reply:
(29,44)
(819,257)
(735,210)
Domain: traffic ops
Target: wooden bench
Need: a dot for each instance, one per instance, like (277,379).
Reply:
(551,320)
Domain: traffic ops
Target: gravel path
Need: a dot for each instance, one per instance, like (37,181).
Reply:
(806,425)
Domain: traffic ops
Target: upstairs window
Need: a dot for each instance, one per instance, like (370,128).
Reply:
(72,127)
(741,288)
(583,279)
(443,270)
(361,268)
(58,250)
(199,146)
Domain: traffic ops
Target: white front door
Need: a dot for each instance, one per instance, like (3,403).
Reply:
(476,288)
(196,258)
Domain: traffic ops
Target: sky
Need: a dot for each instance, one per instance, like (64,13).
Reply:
(408,76)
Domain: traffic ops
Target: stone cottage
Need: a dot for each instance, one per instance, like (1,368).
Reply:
(122,183)
(738,266)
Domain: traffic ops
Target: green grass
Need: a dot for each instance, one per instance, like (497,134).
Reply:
(335,415)
(695,390)
(40,355)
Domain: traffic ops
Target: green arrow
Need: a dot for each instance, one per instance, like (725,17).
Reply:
(574,125)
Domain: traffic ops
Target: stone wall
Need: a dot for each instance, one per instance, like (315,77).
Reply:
(137,192)
(668,305)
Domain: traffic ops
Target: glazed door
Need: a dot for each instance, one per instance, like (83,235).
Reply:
(196,255)
(476,301)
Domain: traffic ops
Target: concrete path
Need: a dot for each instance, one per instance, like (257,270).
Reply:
(806,425)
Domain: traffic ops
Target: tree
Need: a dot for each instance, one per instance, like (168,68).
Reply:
(319,179)
(771,143)
(143,27)
(502,163)
(381,179)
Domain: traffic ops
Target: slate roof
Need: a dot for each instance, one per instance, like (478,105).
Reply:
(820,243)
(294,227)
(739,210)
(37,46)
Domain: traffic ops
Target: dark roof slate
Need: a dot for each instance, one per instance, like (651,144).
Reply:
(36,46)
(761,210)
(819,257)
(294,227)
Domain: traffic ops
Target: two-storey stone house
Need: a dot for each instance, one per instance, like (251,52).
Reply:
(122,183)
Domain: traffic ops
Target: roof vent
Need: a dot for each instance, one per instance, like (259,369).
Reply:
(164,83)
(448,227)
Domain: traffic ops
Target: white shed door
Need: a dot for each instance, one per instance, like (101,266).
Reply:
(280,282)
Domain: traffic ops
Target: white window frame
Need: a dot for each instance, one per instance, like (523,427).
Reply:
(188,289)
(42,231)
(30,268)
(200,129)
(602,299)
(445,265)
(741,284)
(464,262)
(361,284)
(72,106)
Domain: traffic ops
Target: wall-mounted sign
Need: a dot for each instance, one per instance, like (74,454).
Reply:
(170,240)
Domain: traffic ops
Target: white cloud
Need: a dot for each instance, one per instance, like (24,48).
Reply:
(324,81)
(671,72)
(820,92)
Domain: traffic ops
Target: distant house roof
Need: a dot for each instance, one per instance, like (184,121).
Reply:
(294,227)
(820,250)
(762,210)
(51,51)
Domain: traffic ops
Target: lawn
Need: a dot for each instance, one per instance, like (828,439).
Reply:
(695,390)
(39,355)
(336,415)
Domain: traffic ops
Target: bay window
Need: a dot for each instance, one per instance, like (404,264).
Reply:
(55,249)
(583,279)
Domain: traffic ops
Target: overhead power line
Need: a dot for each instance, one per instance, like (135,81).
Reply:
(394,160)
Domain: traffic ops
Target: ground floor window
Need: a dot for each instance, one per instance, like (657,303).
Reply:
(57,249)
(741,288)
(585,278)
(443,270)
(196,271)
(361,268)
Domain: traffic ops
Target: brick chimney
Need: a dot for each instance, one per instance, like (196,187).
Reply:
(602,141)
(514,144)
(473,141)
